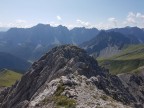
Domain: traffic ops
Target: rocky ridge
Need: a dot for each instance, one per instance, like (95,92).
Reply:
(68,77)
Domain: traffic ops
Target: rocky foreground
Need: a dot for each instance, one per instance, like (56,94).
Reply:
(1,89)
(68,77)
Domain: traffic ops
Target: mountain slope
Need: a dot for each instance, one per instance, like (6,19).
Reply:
(130,32)
(31,43)
(68,77)
(106,44)
(8,77)
(80,35)
(130,60)
(14,63)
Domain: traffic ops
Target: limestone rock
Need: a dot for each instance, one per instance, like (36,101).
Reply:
(79,77)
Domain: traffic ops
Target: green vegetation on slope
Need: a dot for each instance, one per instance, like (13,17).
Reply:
(8,77)
(131,53)
(59,100)
(130,59)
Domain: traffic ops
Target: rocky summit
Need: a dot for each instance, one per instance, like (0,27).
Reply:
(67,77)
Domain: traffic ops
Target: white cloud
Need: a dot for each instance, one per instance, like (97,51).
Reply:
(54,24)
(70,26)
(131,14)
(103,25)
(113,20)
(131,19)
(139,15)
(1,25)
(21,21)
(17,23)
(134,19)
(58,18)
(83,23)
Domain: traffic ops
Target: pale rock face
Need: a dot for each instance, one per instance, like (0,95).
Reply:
(84,91)
(48,91)
(109,51)
(135,83)
(1,89)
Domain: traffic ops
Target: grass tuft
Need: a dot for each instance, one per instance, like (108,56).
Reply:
(60,100)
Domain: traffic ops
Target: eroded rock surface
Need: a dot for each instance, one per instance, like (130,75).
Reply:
(72,71)
(134,82)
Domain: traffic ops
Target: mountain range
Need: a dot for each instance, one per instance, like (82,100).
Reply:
(31,43)
(68,77)
(131,32)
(107,43)
(110,42)
(24,45)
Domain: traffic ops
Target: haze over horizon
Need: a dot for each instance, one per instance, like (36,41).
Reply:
(96,13)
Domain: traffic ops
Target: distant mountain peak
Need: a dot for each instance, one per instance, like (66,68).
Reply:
(40,25)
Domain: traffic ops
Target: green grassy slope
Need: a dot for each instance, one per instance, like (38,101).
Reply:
(8,77)
(130,59)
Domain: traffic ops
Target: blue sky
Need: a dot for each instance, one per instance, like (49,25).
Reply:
(102,14)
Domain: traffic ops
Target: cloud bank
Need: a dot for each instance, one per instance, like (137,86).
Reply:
(131,19)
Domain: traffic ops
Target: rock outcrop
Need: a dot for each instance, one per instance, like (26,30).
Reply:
(134,82)
(67,76)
